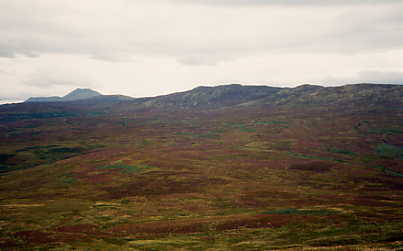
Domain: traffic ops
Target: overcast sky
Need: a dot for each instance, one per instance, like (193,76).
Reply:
(153,47)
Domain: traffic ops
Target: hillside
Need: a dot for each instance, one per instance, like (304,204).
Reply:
(238,95)
(214,168)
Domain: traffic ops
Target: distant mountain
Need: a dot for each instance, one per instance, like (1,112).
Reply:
(44,99)
(80,95)
(77,94)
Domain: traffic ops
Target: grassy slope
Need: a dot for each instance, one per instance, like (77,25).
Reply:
(235,179)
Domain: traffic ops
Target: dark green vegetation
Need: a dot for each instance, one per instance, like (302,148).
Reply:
(225,168)
(126,168)
(32,156)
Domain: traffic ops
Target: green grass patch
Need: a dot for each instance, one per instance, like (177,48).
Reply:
(43,115)
(301,211)
(242,127)
(127,168)
(247,129)
(388,171)
(68,179)
(32,156)
(29,148)
(54,154)
(304,156)
(389,151)
(273,122)
(341,151)
(209,135)
(96,114)
(384,131)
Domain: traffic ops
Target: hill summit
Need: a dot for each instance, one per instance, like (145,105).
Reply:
(80,93)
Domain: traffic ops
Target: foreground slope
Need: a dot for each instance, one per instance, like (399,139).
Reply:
(294,167)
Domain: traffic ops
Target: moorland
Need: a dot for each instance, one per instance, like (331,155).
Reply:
(215,168)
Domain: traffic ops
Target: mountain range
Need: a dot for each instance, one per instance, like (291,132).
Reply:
(239,95)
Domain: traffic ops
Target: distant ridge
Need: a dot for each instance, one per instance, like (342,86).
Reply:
(360,95)
(311,95)
(77,94)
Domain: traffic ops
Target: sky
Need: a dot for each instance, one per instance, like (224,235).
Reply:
(147,48)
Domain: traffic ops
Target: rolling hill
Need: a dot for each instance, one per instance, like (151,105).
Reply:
(229,167)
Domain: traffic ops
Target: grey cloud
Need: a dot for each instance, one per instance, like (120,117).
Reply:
(195,35)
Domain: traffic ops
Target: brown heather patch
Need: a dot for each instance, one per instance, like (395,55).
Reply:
(163,185)
(380,183)
(34,237)
(80,228)
(99,178)
(160,228)
(45,196)
(264,221)
(395,165)
(313,166)
(8,244)
(217,223)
